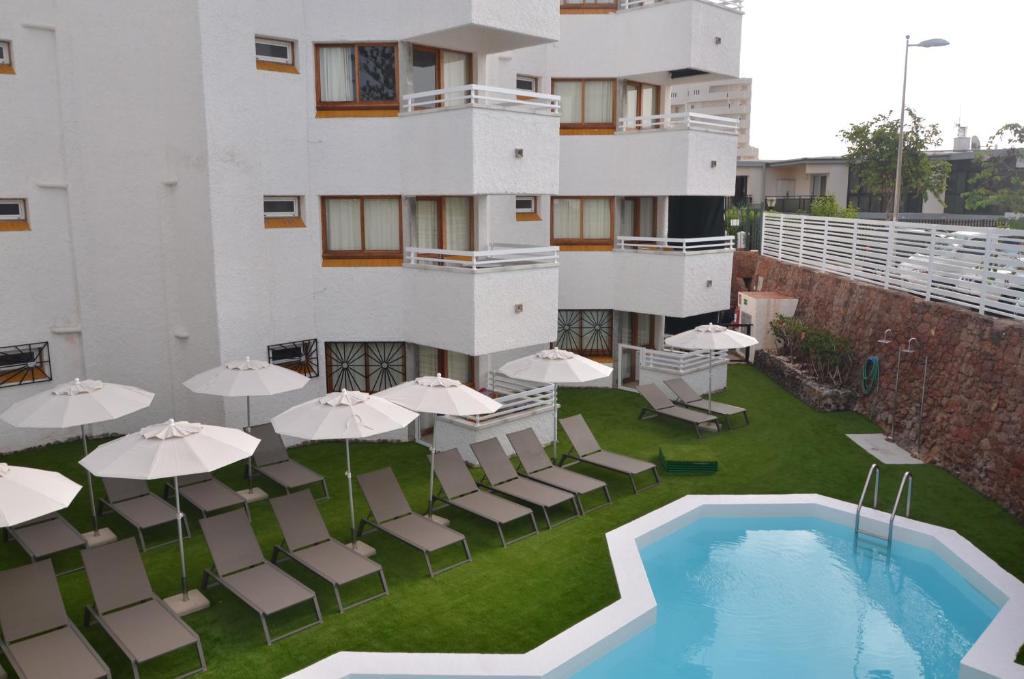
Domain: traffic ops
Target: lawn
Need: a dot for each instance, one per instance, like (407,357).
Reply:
(510,600)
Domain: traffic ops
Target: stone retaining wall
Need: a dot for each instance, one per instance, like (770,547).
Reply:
(799,383)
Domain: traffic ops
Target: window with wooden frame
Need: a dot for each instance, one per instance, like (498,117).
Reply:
(444,222)
(438,69)
(362,227)
(6,61)
(642,101)
(25,364)
(588,6)
(273,54)
(582,221)
(585,331)
(357,78)
(450,364)
(364,366)
(639,217)
(527,209)
(588,105)
(13,214)
(282,212)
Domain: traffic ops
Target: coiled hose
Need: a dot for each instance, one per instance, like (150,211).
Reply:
(869,375)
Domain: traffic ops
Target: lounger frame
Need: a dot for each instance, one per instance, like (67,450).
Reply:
(112,506)
(579,457)
(11,533)
(551,465)
(182,484)
(649,411)
(265,432)
(701,403)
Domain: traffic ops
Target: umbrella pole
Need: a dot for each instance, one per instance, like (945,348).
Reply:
(88,478)
(248,428)
(430,495)
(351,498)
(554,412)
(181,542)
(709,382)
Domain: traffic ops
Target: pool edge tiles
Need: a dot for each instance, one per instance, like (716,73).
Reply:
(992,655)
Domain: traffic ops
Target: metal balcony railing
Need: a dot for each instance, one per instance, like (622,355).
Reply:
(484,96)
(700,122)
(736,5)
(678,245)
(515,396)
(481,260)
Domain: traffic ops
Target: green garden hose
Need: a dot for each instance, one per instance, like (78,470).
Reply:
(869,375)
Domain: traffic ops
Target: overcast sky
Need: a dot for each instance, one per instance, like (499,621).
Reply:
(819,65)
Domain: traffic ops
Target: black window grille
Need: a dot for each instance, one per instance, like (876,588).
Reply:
(301,356)
(25,364)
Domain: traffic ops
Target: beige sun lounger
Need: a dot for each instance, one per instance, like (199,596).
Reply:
(307,542)
(239,565)
(131,500)
(686,396)
(586,449)
(44,537)
(538,466)
(207,493)
(128,610)
(658,403)
(38,639)
(461,491)
(502,478)
(272,461)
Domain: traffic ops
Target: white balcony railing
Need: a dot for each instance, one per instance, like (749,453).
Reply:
(481,260)
(634,4)
(700,122)
(483,95)
(515,396)
(680,245)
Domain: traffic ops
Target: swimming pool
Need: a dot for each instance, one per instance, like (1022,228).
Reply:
(793,597)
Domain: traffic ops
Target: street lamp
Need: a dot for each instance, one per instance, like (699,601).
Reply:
(933,42)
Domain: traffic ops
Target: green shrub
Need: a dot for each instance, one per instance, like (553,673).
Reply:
(827,206)
(828,357)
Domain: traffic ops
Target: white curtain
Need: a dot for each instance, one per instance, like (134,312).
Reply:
(382,223)
(566,217)
(456,69)
(343,224)
(629,112)
(628,213)
(597,219)
(569,91)
(337,81)
(598,101)
(427,360)
(643,330)
(648,217)
(426,224)
(459,367)
(457,221)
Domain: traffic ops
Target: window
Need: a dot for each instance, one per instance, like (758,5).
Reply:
(436,69)
(587,331)
(364,366)
(819,184)
(6,64)
(582,220)
(13,214)
(526,209)
(445,223)
(282,212)
(24,364)
(642,102)
(639,217)
(302,356)
(584,6)
(586,104)
(275,55)
(360,76)
(527,82)
(360,226)
(451,364)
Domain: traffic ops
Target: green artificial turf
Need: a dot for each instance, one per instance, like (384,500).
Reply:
(510,600)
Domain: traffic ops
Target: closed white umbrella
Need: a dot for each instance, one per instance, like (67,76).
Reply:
(77,404)
(170,450)
(27,493)
(710,338)
(439,396)
(247,378)
(343,415)
(556,366)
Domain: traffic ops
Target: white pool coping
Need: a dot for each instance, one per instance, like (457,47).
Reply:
(991,657)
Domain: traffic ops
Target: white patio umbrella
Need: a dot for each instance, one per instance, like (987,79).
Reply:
(710,338)
(343,415)
(170,450)
(556,366)
(27,493)
(76,404)
(246,378)
(439,396)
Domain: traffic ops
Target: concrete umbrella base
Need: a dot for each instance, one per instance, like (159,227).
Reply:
(94,539)
(254,495)
(362,548)
(196,602)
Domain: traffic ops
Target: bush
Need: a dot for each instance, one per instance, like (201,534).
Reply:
(746,215)
(828,357)
(826,206)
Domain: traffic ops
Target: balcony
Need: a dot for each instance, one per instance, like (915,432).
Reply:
(480,302)
(676,154)
(662,276)
(483,26)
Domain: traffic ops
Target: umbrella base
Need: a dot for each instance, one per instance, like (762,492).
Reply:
(438,519)
(104,537)
(196,602)
(362,548)
(254,495)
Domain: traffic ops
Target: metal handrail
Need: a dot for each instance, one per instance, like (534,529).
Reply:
(687,120)
(908,481)
(482,260)
(863,492)
(684,245)
(482,95)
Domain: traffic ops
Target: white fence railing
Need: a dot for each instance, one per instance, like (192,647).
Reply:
(481,260)
(516,397)
(680,245)
(483,95)
(701,122)
(978,268)
(633,4)
(673,362)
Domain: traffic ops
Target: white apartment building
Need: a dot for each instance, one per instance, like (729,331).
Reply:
(364,190)
(727,97)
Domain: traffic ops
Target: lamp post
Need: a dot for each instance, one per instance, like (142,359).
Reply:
(933,42)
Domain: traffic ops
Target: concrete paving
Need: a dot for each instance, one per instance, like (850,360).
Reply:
(884,451)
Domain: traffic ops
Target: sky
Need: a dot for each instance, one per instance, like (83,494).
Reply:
(819,65)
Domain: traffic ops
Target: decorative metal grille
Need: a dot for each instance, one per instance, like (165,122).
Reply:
(365,366)
(587,331)
(569,330)
(302,357)
(25,364)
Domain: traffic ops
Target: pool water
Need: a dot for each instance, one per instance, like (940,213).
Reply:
(789,597)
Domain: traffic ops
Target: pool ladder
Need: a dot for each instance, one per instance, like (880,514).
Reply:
(906,482)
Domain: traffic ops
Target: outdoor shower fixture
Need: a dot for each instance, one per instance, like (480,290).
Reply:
(909,349)
(885,336)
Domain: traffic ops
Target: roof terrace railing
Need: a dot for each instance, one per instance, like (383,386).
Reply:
(678,245)
(481,260)
(485,96)
(700,122)
(634,4)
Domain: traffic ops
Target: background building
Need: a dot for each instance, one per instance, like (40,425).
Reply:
(730,98)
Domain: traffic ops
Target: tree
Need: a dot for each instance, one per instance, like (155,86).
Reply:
(998,182)
(871,152)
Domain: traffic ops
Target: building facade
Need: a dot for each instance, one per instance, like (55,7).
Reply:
(364,191)
(730,98)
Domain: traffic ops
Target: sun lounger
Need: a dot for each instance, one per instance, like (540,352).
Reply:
(207,493)
(586,449)
(538,466)
(658,403)
(39,639)
(308,543)
(686,396)
(44,537)
(391,514)
(137,620)
(461,491)
(272,461)
(131,500)
(239,565)
(502,478)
